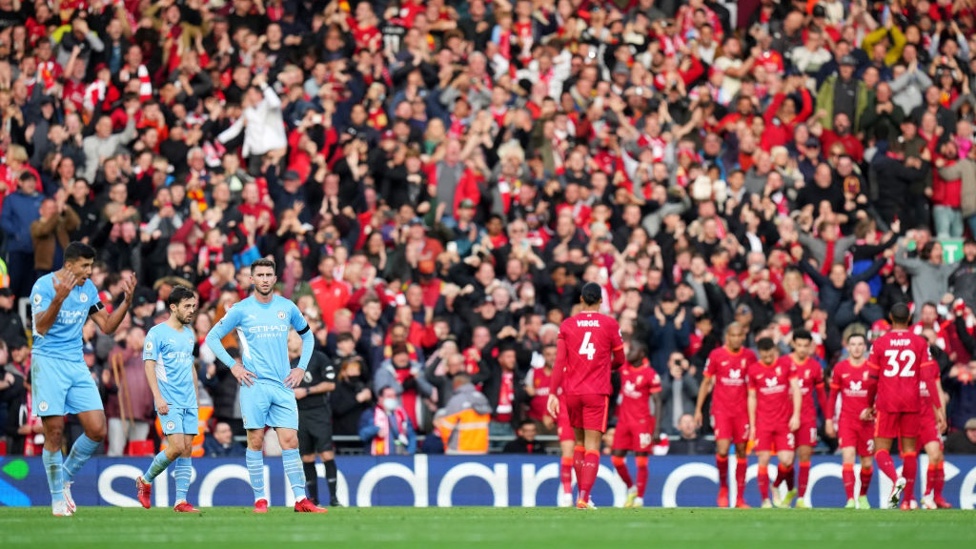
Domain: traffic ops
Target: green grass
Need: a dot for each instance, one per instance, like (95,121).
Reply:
(511,528)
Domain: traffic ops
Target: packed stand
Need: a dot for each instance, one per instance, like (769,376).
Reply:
(436,179)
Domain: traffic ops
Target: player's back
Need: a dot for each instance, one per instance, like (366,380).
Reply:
(853,383)
(589,340)
(898,357)
(63,339)
(262,329)
(730,371)
(172,350)
(637,384)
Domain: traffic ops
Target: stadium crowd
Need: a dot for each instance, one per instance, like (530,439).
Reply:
(435,181)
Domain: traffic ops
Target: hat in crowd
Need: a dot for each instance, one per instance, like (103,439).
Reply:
(17,342)
(621,68)
(399,348)
(813,142)
(466,203)
(47,100)
(388,134)
(819,11)
(970,424)
(415,222)
(291,174)
(668,297)
(143,297)
(970,241)
(425,266)
(6,292)
(743,310)
(848,60)
(793,71)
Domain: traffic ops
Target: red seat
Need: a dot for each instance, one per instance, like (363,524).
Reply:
(140,448)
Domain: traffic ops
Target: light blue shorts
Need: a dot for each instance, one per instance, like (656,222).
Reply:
(268,405)
(180,421)
(60,387)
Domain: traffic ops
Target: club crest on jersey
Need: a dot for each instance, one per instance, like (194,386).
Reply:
(42,407)
(37,299)
(170,425)
(771,382)
(83,298)
(149,346)
(281,315)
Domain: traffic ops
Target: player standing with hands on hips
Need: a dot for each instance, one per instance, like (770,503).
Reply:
(61,303)
(263,322)
(588,349)
(897,360)
(172,377)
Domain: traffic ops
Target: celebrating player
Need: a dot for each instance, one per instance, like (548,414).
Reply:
(930,437)
(168,353)
(774,415)
(589,346)
(897,359)
(726,372)
(850,380)
(61,383)
(637,428)
(263,322)
(809,376)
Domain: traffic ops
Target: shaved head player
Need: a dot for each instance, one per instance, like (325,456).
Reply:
(589,348)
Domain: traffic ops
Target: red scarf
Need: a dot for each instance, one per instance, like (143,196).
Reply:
(506,398)
(828,257)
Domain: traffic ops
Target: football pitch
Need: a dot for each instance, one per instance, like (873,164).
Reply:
(459,527)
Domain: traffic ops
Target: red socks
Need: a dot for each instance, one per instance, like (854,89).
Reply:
(804,477)
(578,454)
(886,465)
(939,481)
(930,478)
(866,474)
(910,472)
(848,475)
(740,479)
(784,474)
(620,464)
(591,466)
(763,484)
(642,473)
(722,464)
(566,474)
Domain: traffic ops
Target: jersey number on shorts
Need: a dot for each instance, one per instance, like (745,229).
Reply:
(587,348)
(645,439)
(896,357)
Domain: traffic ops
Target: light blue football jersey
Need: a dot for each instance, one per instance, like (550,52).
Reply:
(63,340)
(173,352)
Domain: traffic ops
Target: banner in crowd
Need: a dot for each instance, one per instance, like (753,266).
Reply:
(444,481)
(951,249)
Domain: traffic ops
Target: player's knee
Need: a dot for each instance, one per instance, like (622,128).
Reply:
(97,432)
(54,434)
(177,446)
(328,455)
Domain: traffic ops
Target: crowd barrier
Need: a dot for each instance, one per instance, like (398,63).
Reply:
(444,481)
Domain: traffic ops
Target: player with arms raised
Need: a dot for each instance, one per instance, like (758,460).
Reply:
(637,428)
(850,381)
(589,347)
(774,414)
(726,371)
(810,378)
(897,360)
(168,354)
(263,322)
(61,303)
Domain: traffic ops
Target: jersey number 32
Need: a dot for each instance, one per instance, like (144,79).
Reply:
(900,363)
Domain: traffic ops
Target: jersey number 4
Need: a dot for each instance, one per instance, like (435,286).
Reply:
(587,348)
(900,363)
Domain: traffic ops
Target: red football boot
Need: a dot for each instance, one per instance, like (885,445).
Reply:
(184,507)
(306,506)
(261,506)
(723,497)
(144,492)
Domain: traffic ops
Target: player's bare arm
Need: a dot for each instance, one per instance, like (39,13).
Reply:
(797,395)
(752,403)
(108,323)
(703,390)
(161,405)
(44,320)
(656,397)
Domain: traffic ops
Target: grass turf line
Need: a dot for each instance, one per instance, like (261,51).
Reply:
(511,528)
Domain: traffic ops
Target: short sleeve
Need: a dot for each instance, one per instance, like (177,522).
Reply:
(150,349)
(41,295)
(617,341)
(751,381)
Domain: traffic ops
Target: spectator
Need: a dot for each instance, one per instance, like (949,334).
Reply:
(964,441)
(261,121)
(670,330)
(387,428)
(129,408)
(689,443)
(679,392)
(351,398)
(104,144)
(963,279)
(463,422)
(50,234)
(220,443)
(20,209)
(524,442)
(11,324)
(930,275)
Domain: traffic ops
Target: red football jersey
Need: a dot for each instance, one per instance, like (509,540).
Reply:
(774,405)
(896,361)
(851,383)
(928,388)
(586,345)
(809,375)
(538,379)
(637,384)
(730,370)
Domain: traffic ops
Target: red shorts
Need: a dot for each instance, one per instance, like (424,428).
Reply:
(806,435)
(770,439)
(634,437)
(856,434)
(897,424)
(928,430)
(563,428)
(588,412)
(729,427)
